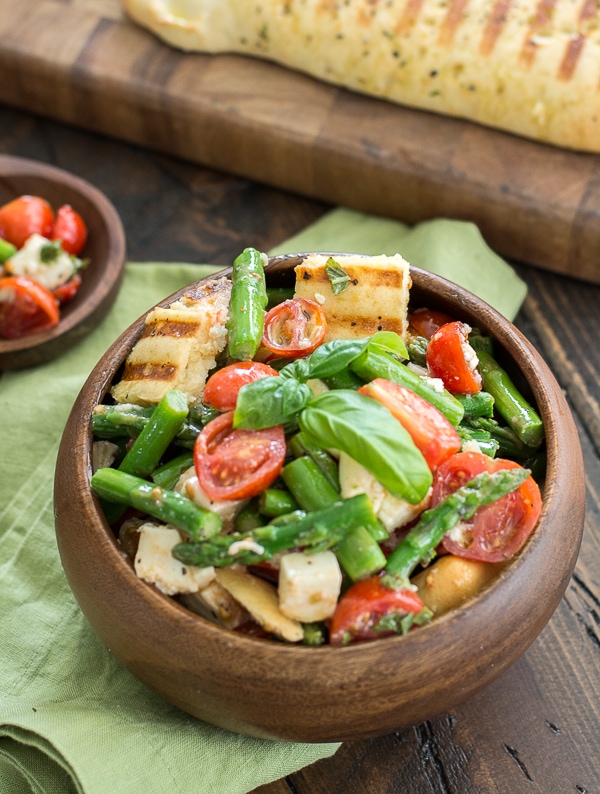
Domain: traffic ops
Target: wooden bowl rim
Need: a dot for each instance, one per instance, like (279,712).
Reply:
(15,353)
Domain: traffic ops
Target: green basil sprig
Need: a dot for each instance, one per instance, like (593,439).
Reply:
(276,400)
(364,429)
(270,401)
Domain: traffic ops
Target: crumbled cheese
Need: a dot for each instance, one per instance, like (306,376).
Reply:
(155,564)
(461,534)
(247,544)
(437,384)
(28,262)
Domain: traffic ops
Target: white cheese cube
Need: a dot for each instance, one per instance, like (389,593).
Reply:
(391,511)
(155,564)
(309,585)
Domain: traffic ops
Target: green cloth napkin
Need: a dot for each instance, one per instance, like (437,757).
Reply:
(72,719)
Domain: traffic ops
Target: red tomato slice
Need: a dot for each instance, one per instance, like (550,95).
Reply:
(294,328)
(70,229)
(363,605)
(432,433)
(24,216)
(237,464)
(222,387)
(497,531)
(68,290)
(425,322)
(451,358)
(26,307)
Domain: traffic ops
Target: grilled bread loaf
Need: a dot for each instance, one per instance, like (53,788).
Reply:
(531,67)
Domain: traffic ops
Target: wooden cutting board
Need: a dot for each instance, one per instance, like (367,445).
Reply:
(84,63)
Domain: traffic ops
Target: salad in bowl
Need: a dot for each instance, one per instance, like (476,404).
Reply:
(326,464)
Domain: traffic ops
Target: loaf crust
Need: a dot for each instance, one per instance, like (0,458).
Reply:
(531,67)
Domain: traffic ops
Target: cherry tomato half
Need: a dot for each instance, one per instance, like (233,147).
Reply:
(70,229)
(294,328)
(222,387)
(67,291)
(363,605)
(497,531)
(24,216)
(26,307)
(425,322)
(451,358)
(432,433)
(237,464)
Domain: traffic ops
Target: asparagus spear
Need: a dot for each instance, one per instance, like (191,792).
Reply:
(417,350)
(372,364)
(319,531)
(169,473)
(126,420)
(168,506)
(276,502)
(120,420)
(419,544)
(300,445)
(308,485)
(247,305)
(358,552)
(483,438)
(479,404)
(510,403)
(145,453)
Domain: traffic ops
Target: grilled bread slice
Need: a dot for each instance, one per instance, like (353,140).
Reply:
(527,66)
(375,298)
(178,347)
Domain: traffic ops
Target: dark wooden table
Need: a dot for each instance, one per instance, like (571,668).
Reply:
(537,728)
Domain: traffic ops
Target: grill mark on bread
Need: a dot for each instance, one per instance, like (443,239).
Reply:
(576,45)
(410,14)
(170,328)
(543,17)
(149,371)
(452,21)
(494,26)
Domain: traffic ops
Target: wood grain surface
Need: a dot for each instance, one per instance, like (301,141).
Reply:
(536,729)
(83,62)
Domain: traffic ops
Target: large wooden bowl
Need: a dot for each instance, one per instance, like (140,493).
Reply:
(105,250)
(279,691)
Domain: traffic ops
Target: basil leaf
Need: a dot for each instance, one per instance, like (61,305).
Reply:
(327,360)
(269,401)
(367,431)
(337,354)
(338,278)
(390,342)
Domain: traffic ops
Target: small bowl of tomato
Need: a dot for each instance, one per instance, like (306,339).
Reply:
(255,685)
(62,254)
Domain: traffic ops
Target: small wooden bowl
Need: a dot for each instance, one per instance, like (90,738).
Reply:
(105,250)
(278,691)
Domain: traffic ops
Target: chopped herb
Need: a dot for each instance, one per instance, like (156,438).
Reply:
(338,277)
(50,251)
